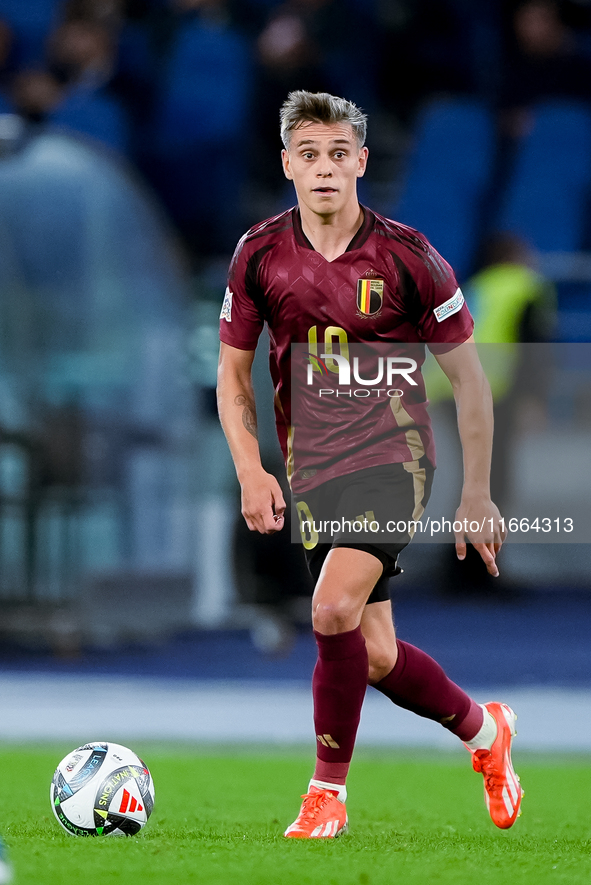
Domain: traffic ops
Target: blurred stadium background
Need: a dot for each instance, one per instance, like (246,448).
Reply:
(138,140)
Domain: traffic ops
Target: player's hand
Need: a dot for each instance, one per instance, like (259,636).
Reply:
(263,504)
(481,525)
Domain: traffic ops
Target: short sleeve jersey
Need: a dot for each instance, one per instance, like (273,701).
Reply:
(389,288)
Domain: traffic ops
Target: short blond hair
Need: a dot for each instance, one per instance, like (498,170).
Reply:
(320,107)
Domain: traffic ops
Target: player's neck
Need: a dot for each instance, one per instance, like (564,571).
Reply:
(331,234)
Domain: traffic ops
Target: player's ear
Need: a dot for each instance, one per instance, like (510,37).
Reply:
(363,155)
(286,167)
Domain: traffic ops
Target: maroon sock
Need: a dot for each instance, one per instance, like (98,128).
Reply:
(419,684)
(338,686)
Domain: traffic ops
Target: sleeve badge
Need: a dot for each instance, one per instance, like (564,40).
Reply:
(226,311)
(449,307)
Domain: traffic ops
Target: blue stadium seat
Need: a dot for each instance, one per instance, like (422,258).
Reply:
(195,151)
(96,115)
(448,171)
(547,196)
(31,21)
(206,89)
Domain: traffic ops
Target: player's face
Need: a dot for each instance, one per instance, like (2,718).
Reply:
(324,163)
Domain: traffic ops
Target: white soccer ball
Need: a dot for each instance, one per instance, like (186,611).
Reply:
(102,789)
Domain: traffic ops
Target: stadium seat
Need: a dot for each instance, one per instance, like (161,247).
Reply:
(574,314)
(205,92)
(547,196)
(95,115)
(448,171)
(5,105)
(193,157)
(31,21)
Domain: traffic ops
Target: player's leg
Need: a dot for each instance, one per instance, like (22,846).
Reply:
(410,678)
(339,684)
(377,626)
(404,673)
(340,676)
(416,682)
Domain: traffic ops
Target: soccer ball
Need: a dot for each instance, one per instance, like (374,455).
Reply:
(5,867)
(102,789)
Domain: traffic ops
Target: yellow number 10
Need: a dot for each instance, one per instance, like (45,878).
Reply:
(331,334)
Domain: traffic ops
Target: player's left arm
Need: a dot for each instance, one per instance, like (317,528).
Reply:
(475,423)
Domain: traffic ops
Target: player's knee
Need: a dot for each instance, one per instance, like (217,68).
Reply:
(334,617)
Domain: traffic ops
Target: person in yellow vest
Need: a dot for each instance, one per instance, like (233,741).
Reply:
(513,305)
(513,302)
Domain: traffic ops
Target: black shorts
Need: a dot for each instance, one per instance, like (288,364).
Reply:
(372,510)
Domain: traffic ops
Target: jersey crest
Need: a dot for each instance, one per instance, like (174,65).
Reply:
(370,296)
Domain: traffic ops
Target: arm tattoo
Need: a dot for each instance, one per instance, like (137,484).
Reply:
(249,417)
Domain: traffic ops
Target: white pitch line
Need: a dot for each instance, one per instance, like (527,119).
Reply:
(82,708)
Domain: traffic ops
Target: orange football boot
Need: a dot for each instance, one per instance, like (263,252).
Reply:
(322,816)
(502,789)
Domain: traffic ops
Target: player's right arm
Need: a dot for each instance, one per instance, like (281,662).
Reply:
(263,504)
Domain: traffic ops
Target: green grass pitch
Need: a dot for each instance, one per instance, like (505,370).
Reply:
(218,819)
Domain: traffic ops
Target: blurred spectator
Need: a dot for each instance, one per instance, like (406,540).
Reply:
(270,572)
(287,59)
(424,50)
(250,15)
(511,304)
(105,12)
(304,45)
(82,56)
(510,301)
(6,46)
(35,94)
(271,578)
(513,307)
(543,61)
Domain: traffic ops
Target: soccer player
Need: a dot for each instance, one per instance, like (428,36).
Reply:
(332,270)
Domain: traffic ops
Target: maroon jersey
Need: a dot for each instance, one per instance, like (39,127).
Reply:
(390,291)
